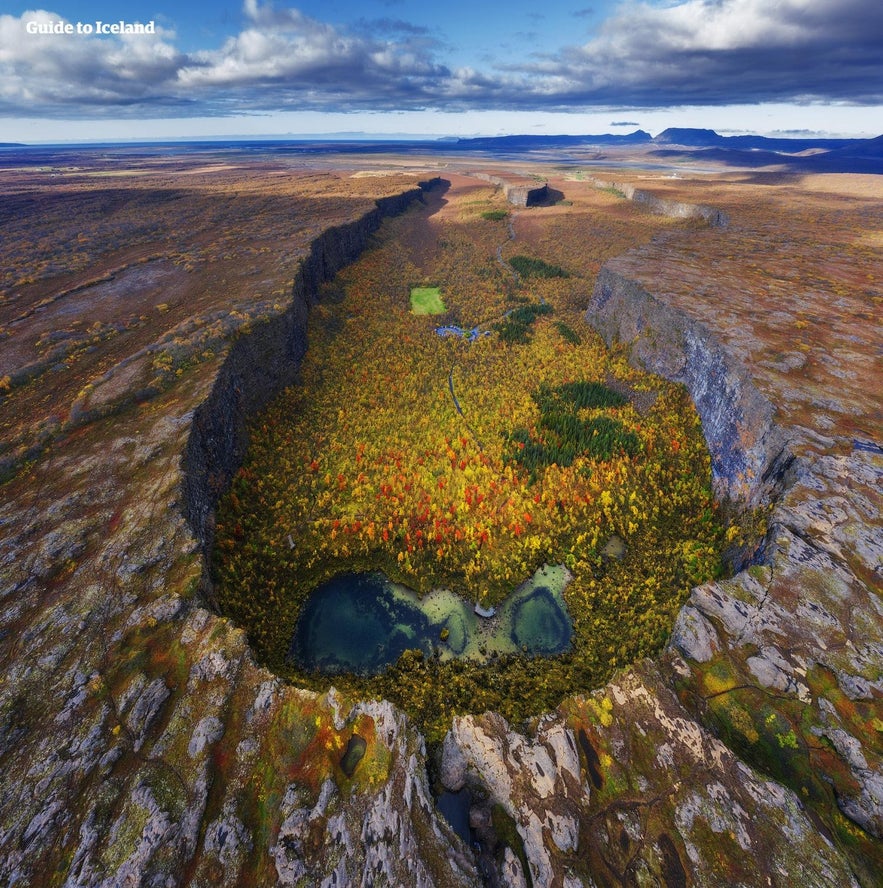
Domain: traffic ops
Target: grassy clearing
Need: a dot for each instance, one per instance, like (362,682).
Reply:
(427,301)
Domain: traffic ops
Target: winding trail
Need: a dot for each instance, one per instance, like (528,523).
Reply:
(459,409)
(510,231)
(510,236)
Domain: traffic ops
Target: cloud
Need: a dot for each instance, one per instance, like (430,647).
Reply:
(646,55)
(45,74)
(287,59)
(281,59)
(709,52)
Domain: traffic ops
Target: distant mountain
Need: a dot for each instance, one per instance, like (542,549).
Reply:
(799,154)
(706,138)
(691,138)
(638,137)
(863,148)
(745,150)
(12,144)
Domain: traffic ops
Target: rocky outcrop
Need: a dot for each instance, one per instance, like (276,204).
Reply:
(391,837)
(526,195)
(623,787)
(677,209)
(520,191)
(782,660)
(747,449)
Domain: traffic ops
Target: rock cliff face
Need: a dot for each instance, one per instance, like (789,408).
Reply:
(519,190)
(262,363)
(655,204)
(747,448)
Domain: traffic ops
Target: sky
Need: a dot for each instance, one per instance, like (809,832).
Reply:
(245,68)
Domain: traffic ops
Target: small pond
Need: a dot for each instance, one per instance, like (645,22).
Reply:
(363,622)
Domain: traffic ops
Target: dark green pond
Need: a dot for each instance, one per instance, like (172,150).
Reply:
(362,623)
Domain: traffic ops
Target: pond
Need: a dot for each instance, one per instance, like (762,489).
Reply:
(363,622)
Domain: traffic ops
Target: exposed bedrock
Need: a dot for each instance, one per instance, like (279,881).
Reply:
(677,209)
(623,787)
(747,448)
(520,191)
(790,650)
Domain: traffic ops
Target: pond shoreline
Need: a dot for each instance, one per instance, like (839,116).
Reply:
(362,623)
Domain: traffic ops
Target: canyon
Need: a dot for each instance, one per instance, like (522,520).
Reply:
(141,743)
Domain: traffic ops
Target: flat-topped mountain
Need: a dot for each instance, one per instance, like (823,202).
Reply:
(706,138)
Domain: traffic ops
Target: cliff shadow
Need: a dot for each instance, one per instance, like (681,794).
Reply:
(260,364)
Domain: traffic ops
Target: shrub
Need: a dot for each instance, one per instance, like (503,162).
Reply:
(566,435)
(568,334)
(515,327)
(529,267)
(580,395)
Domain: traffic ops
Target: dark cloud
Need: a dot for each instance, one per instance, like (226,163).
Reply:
(624,123)
(696,52)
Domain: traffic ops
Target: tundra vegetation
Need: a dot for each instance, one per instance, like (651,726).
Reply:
(467,465)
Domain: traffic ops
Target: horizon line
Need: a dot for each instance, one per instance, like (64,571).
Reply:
(362,136)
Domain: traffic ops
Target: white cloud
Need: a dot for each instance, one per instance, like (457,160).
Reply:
(709,51)
(57,71)
(694,52)
(304,60)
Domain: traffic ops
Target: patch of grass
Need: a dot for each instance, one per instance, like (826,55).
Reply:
(495,215)
(427,301)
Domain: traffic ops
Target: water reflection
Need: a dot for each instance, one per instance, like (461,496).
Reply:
(363,622)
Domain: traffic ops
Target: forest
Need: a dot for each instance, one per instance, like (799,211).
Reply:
(468,462)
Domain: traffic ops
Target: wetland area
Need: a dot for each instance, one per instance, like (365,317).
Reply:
(363,623)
